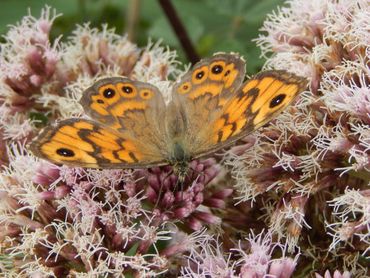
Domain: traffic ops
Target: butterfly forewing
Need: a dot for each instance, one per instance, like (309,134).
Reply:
(85,143)
(259,100)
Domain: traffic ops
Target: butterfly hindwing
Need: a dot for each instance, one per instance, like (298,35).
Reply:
(135,109)
(217,77)
(203,91)
(121,103)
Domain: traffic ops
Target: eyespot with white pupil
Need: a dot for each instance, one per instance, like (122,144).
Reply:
(276,101)
(199,75)
(127,89)
(65,152)
(217,69)
(109,93)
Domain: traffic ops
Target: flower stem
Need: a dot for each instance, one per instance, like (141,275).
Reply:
(179,30)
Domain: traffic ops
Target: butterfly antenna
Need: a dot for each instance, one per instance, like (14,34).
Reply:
(199,173)
(159,196)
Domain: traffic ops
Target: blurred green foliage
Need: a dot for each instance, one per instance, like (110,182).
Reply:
(213,25)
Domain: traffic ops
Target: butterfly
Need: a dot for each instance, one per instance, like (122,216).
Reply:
(132,126)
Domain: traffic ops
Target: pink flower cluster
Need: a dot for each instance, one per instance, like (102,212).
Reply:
(310,167)
(290,199)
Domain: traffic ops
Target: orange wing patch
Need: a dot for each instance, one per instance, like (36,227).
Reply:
(199,75)
(230,75)
(210,89)
(79,142)
(110,99)
(277,89)
(215,75)
(259,100)
(122,108)
(266,87)
(233,118)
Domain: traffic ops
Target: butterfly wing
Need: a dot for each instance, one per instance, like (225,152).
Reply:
(124,104)
(259,100)
(126,110)
(200,93)
(217,78)
(85,143)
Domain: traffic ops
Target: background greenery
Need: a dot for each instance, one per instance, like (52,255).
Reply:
(213,25)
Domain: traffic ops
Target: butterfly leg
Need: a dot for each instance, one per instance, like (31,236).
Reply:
(161,187)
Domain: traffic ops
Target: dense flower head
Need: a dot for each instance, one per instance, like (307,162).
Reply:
(254,258)
(178,200)
(292,198)
(75,221)
(28,57)
(311,162)
(94,218)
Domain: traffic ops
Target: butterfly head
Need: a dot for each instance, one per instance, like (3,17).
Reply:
(181,169)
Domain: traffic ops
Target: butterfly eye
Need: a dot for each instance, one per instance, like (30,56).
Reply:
(65,152)
(276,101)
(109,93)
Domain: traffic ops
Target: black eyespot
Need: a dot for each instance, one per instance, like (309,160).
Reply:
(109,93)
(100,101)
(199,75)
(65,152)
(277,100)
(127,89)
(227,73)
(217,69)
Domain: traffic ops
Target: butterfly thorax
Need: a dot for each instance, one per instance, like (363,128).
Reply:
(179,161)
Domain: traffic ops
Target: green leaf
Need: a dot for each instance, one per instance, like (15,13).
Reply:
(132,251)
(39,119)
(257,12)
(230,7)
(162,29)
(206,44)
